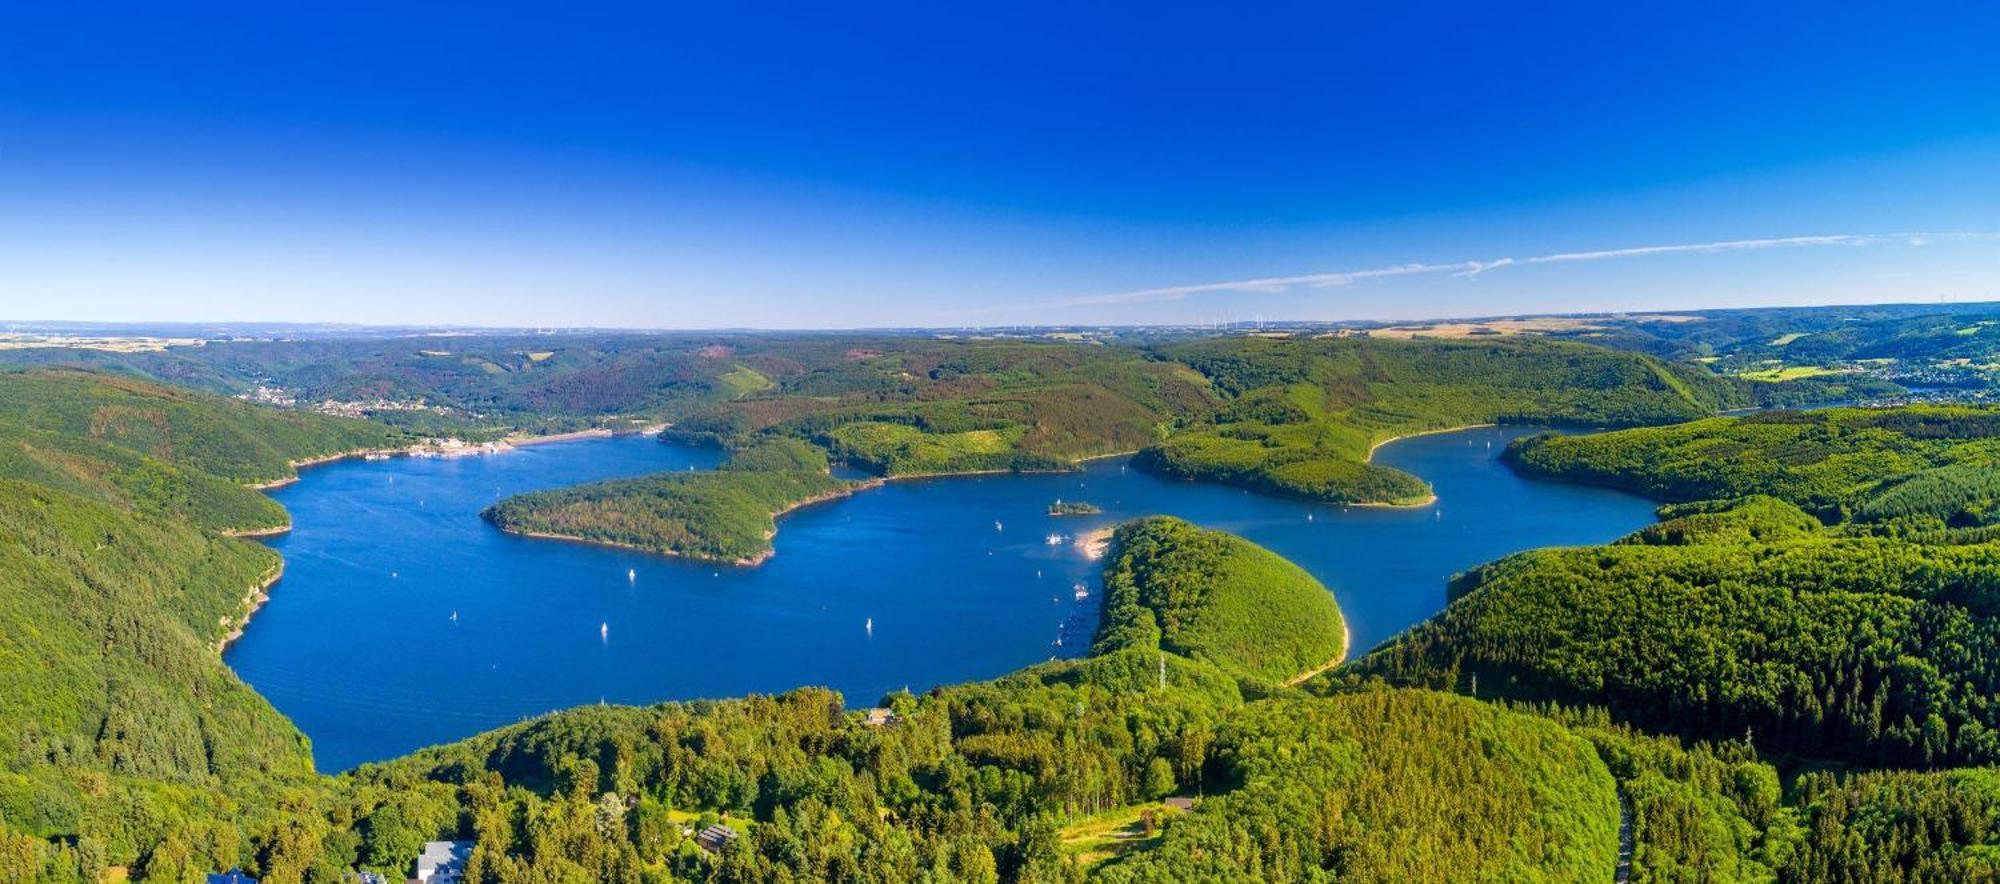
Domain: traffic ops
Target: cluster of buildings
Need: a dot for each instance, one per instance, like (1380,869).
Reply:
(441,862)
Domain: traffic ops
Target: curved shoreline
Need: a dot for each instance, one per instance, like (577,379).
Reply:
(437,448)
(253,601)
(749,562)
(1346,645)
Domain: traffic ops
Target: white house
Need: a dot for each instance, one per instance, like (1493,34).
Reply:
(443,862)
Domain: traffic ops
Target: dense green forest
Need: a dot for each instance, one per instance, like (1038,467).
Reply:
(1868,650)
(230,440)
(1839,612)
(726,514)
(119,726)
(1303,416)
(1816,604)
(917,406)
(1215,597)
(1833,463)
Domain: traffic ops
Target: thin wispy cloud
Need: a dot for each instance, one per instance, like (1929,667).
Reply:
(1472,268)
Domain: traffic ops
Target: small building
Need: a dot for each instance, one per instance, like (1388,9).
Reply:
(877,717)
(714,838)
(1180,802)
(370,878)
(443,862)
(233,876)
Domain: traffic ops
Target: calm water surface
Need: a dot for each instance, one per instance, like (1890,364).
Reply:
(404,620)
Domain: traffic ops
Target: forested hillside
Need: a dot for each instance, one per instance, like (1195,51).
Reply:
(726,514)
(1217,598)
(1878,462)
(230,440)
(1303,416)
(1866,642)
(916,406)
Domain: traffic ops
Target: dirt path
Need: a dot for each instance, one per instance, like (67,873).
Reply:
(1346,642)
(1624,871)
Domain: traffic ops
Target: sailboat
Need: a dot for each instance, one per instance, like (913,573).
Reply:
(454,616)
(1055,539)
(996,525)
(604,631)
(631,574)
(869,626)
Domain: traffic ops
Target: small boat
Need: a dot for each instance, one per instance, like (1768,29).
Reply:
(1082,592)
(604,631)
(996,525)
(868,626)
(1055,540)
(1309,517)
(631,573)
(454,616)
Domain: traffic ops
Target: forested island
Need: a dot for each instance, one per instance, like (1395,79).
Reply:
(724,515)
(1789,678)
(1074,508)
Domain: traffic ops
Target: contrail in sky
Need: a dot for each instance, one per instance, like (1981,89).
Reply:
(1277,284)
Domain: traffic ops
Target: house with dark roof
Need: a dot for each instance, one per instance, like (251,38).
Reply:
(714,838)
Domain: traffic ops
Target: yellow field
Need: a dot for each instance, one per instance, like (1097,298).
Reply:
(1791,373)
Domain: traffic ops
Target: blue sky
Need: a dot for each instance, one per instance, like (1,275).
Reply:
(948,164)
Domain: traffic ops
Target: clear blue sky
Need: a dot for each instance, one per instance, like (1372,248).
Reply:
(691,165)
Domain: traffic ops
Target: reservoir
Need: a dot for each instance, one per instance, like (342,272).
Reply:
(405,620)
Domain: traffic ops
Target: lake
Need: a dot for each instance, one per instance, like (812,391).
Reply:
(405,620)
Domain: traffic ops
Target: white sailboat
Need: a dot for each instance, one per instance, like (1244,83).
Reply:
(631,574)
(604,631)
(868,626)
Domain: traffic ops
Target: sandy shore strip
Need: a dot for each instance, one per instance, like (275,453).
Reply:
(1371,448)
(1096,542)
(445,448)
(1346,645)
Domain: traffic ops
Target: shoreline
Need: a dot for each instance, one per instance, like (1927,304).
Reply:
(259,533)
(1096,542)
(1346,647)
(439,448)
(253,601)
(1398,438)
(744,561)
(1433,498)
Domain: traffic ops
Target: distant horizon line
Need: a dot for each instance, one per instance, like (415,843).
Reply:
(51,326)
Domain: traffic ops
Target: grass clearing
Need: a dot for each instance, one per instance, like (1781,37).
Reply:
(1102,837)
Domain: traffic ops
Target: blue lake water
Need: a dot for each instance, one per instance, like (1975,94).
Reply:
(360,646)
